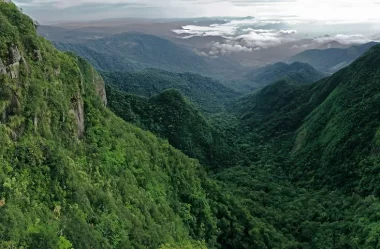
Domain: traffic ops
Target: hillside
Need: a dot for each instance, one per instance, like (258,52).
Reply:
(339,138)
(207,94)
(334,122)
(296,165)
(168,115)
(333,59)
(313,150)
(72,174)
(300,73)
(270,110)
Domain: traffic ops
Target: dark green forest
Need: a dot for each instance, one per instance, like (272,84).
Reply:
(143,162)
(207,94)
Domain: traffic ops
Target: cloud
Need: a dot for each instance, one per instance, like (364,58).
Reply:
(243,35)
(344,39)
(227,48)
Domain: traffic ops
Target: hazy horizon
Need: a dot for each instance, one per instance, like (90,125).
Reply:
(236,25)
(337,11)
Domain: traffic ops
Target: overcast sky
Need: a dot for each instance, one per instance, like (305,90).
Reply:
(48,11)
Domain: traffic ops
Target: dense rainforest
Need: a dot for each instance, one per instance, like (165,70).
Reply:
(84,165)
(207,94)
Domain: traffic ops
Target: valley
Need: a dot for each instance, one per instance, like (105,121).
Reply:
(130,136)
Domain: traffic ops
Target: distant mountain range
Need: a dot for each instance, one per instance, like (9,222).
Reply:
(333,59)
(137,51)
(300,73)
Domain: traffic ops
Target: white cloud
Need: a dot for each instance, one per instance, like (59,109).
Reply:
(344,39)
(212,30)
(245,35)
(227,48)
(252,34)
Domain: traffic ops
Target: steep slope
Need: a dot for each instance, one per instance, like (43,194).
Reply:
(274,109)
(72,174)
(333,59)
(329,127)
(138,51)
(338,141)
(313,150)
(207,94)
(169,116)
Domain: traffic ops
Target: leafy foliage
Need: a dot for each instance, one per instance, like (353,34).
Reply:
(114,187)
(297,165)
(167,115)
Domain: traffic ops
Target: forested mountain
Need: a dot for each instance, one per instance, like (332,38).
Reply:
(138,51)
(207,94)
(300,73)
(318,144)
(72,174)
(98,59)
(129,52)
(168,115)
(334,123)
(333,59)
(292,165)
(338,143)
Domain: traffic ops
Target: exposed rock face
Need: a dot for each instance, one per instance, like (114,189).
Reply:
(14,70)
(100,86)
(78,112)
(14,54)
(3,69)
(14,62)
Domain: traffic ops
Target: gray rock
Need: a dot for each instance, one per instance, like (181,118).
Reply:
(100,86)
(15,55)
(78,112)
(3,69)
(14,70)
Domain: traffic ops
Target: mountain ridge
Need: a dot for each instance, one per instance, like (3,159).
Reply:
(333,59)
(297,164)
(207,94)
